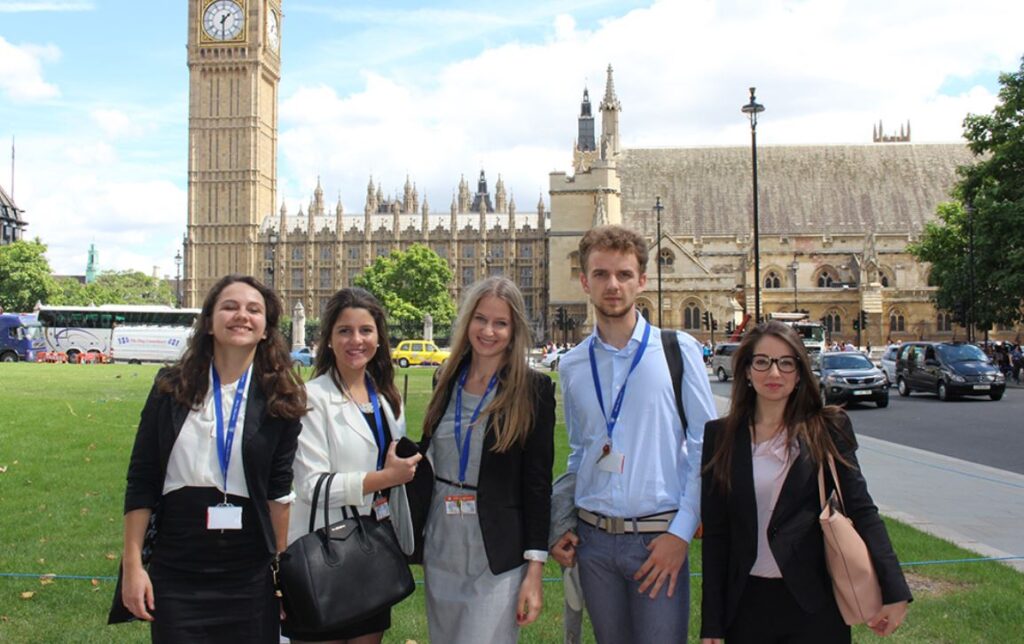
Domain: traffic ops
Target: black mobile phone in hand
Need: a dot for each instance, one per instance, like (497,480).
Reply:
(406,447)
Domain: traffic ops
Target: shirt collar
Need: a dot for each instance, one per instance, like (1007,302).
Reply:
(634,340)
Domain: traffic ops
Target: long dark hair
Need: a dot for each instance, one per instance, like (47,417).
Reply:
(804,417)
(188,380)
(513,415)
(380,367)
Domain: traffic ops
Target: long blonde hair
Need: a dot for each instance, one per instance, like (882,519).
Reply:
(510,408)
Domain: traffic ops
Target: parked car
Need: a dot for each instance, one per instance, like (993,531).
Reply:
(948,369)
(414,352)
(888,363)
(721,360)
(552,358)
(302,357)
(848,376)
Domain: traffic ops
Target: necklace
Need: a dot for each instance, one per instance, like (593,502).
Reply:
(366,407)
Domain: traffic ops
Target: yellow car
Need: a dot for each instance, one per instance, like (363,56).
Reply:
(412,352)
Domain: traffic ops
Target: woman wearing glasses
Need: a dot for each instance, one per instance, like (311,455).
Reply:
(764,574)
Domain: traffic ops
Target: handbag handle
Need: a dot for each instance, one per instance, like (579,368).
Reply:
(327,504)
(835,480)
(316,498)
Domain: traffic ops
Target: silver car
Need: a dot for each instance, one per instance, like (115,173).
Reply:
(721,360)
(888,363)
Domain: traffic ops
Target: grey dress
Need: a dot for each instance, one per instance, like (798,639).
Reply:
(466,602)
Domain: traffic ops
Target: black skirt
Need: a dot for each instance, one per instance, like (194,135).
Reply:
(211,585)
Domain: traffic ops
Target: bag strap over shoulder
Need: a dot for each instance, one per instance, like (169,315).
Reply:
(835,481)
(670,343)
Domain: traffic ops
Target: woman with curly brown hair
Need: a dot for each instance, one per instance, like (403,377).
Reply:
(764,573)
(213,461)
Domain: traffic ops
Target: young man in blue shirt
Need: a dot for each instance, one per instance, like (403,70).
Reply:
(637,469)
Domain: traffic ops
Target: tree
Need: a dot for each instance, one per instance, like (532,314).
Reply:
(116,287)
(25,276)
(411,284)
(994,187)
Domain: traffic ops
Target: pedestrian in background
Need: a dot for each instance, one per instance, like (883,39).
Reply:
(213,460)
(764,573)
(351,429)
(489,437)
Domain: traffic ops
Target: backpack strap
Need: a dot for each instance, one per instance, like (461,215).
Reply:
(670,342)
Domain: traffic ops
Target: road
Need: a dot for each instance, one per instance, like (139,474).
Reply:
(978,430)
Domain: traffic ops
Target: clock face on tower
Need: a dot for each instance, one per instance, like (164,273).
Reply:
(273,31)
(224,20)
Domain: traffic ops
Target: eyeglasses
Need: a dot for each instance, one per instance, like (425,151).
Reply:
(761,362)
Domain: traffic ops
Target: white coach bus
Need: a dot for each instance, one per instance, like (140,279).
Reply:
(124,332)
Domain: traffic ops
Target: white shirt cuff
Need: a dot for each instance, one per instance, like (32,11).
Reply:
(288,499)
(536,555)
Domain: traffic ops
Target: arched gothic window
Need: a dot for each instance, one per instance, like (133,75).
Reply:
(897,321)
(691,316)
(833,322)
(772,280)
(826,278)
(943,322)
(574,264)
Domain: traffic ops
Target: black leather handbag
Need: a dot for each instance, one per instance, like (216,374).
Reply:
(342,573)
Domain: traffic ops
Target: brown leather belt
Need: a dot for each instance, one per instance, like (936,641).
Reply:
(617,525)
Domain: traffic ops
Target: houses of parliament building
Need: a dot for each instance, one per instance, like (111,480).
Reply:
(834,220)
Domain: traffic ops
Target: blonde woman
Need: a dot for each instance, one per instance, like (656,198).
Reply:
(488,434)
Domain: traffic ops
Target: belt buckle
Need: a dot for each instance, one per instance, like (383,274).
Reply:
(615,525)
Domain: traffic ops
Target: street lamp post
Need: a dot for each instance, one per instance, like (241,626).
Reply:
(272,238)
(794,267)
(177,277)
(970,270)
(752,109)
(657,209)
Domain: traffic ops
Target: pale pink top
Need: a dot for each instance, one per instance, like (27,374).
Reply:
(771,461)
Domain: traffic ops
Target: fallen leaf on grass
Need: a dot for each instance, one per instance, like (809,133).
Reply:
(4,619)
(47,579)
(3,468)
(84,511)
(70,409)
(111,556)
(95,584)
(41,560)
(28,595)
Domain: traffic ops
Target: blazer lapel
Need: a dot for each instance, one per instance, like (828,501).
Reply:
(255,407)
(348,414)
(743,483)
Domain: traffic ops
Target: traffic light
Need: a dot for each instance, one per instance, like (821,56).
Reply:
(729,326)
(714,324)
(863,319)
(856,324)
(707,320)
(560,318)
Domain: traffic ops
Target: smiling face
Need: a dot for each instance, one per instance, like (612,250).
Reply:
(613,280)
(774,384)
(354,340)
(239,317)
(490,329)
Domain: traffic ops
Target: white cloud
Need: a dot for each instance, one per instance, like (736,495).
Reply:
(827,72)
(21,77)
(117,124)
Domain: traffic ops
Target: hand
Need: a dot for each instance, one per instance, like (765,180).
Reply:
(888,619)
(531,595)
(668,553)
(137,591)
(564,550)
(400,470)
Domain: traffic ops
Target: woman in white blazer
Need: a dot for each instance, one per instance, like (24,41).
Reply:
(351,429)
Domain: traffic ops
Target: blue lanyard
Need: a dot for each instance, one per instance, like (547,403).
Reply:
(224,443)
(379,435)
(617,407)
(464,446)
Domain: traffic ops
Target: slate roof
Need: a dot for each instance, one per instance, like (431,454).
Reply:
(803,189)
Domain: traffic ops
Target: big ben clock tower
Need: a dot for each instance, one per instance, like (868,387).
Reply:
(234,68)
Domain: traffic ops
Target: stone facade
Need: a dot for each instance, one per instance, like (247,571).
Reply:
(834,224)
(12,223)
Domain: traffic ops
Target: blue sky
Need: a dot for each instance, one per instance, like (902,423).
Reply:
(96,93)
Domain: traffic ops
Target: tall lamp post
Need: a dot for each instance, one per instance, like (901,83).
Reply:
(795,266)
(752,109)
(177,277)
(969,207)
(272,238)
(657,209)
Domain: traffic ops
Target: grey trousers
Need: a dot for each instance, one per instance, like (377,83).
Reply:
(618,612)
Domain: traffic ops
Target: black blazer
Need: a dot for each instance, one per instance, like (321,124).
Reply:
(514,488)
(794,534)
(268,448)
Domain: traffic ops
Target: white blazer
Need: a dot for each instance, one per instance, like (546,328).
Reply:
(336,438)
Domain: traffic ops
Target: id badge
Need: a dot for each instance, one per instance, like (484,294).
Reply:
(381,509)
(612,462)
(224,517)
(467,504)
(451,505)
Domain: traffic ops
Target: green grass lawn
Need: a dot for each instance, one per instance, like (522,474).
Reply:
(65,436)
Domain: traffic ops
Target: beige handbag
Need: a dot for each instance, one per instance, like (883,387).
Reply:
(854,580)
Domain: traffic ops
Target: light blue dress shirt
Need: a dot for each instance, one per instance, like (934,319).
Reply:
(661,471)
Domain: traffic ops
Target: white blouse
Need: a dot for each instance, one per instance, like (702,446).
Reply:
(194,462)
(771,462)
